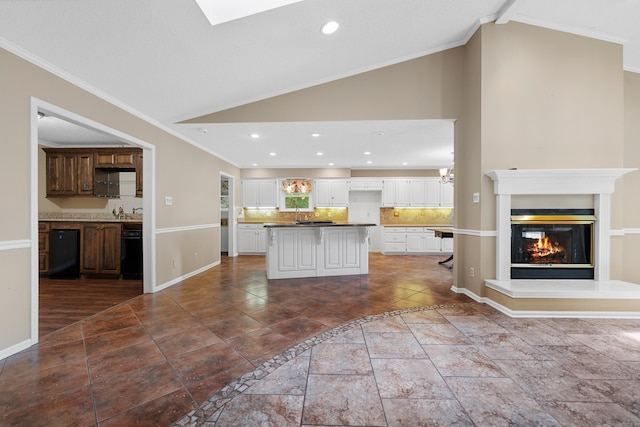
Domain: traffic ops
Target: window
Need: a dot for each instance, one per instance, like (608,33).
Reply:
(296,195)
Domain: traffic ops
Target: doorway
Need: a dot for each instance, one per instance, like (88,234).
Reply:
(227,215)
(88,134)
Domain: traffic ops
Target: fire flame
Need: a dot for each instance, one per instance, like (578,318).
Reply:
(544,251)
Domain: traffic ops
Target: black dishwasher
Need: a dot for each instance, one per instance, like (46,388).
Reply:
(63,254)
(131,262)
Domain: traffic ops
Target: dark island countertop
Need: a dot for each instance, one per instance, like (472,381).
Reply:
(311,223)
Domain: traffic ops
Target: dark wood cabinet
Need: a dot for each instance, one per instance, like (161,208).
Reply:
(139,158)
(100,248)
(62,173)
(72,171)
(43,247)
(84,162)
(123,157)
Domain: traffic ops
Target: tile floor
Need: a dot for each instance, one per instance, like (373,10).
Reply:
(457,365)
(395,347)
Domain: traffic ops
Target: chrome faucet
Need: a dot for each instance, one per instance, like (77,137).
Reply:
(136,210)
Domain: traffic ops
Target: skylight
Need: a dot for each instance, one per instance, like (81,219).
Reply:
(220,11)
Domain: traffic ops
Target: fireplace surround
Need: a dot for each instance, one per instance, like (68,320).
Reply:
(564,297)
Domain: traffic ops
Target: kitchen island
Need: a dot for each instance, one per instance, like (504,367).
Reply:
(316,249)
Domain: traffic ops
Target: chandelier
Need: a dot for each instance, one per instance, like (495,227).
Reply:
(446,175)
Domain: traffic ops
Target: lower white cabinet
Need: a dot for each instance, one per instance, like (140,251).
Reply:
(417,240)
(317,251)
(420,239)
(252,239)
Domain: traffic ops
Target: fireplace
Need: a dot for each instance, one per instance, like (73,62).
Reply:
(552,243)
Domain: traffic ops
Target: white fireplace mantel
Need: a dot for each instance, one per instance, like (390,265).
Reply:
(599,182)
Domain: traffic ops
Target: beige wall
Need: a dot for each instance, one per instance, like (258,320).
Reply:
(189,175)
(552,100)
(631,182)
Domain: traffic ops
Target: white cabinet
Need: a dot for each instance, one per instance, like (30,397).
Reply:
(447,244)
(252,239)
(365,184)
(296,251)
(341,249)
(260,193)
(414,240)
(332,192)
(421,239)
(395,239)
(413,192)
(316,251)
(395,192)
(446,195)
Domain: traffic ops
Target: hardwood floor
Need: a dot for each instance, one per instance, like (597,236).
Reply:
(64,302)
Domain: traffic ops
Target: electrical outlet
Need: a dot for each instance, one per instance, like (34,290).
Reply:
(317,213)
(196,255)
(472,272)
(174,263)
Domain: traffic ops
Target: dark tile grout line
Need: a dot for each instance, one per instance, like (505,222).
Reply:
(212,408)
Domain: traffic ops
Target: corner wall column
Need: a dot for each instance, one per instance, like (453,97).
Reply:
(602,237)
(503,244)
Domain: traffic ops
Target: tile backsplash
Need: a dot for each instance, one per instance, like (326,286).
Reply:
(417,216)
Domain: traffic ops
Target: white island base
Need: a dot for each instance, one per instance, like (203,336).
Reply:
(295,251)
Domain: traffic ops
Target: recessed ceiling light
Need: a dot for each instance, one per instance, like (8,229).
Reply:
(315,135)
(254,164)
(330,27)
(272,154)
(404,163)
(319,154)
(331,164)
(378,133)
(254,135)
(369,162)
(366,153)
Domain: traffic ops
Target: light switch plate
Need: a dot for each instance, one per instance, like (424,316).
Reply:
(476,197)
(168,200)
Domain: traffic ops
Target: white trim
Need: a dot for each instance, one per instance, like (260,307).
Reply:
(566,289)
(556,181)
(187,228)
(548,314)
(7,245)
(475,233)
(631,231)
(186,276)
(16,348)
(598,35)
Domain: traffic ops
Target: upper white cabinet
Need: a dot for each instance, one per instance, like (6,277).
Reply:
(395,192)
(365,184)
(332,193)
(446,195)
(259,193)
(424,192)
(416,192)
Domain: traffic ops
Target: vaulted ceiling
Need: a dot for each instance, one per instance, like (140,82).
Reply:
(163,59)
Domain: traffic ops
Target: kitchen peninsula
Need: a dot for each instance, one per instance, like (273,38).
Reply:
(316,249)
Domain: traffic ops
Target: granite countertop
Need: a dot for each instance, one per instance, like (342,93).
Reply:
(87,217)
(317,224)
